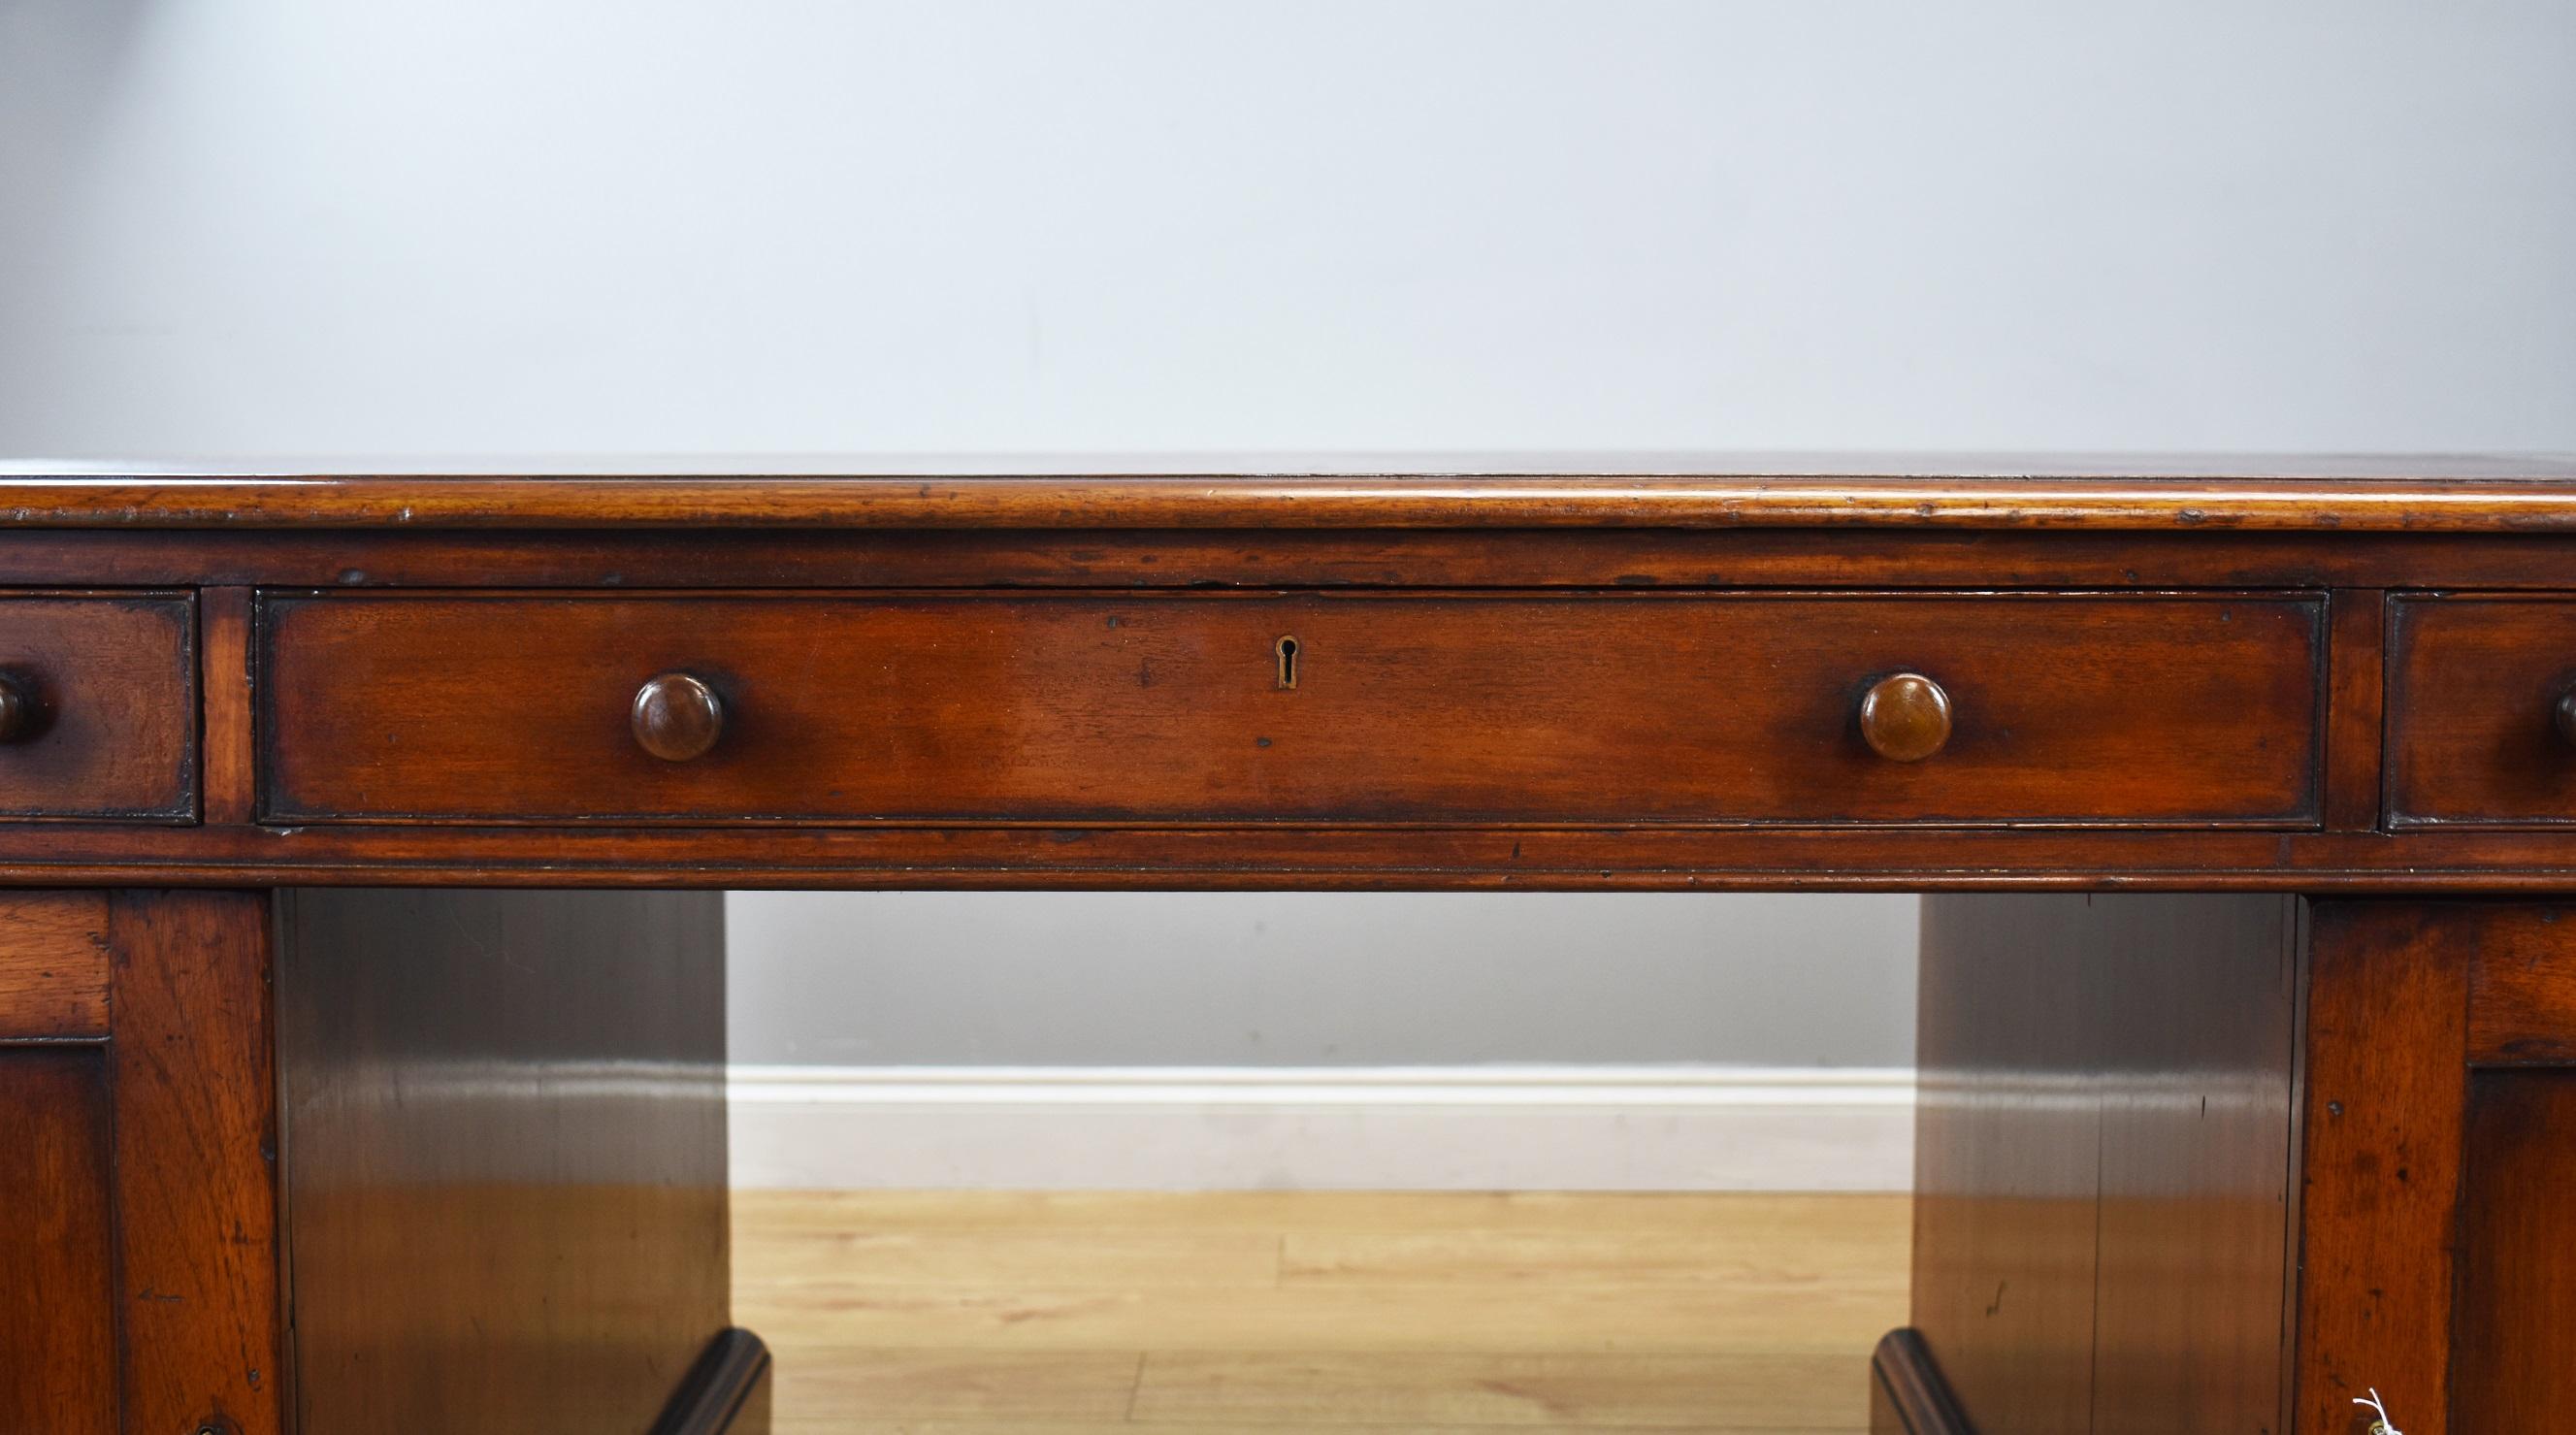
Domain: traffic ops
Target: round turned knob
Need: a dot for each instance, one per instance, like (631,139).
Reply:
(2562,714)
(17,711)
(677,717)
(1905,718)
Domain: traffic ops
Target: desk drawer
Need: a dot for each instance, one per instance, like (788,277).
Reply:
(2481,721)
(1161,708)
(98,706)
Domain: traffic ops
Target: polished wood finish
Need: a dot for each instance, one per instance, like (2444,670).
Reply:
(2479,1324)
(57,1307)
(192,1066)
(230,757)
(2191,492)
(1167,708)
(102,710)
(2114,1108)
(2007,1161)
(2351,854)
(2388,1176)
(2386,1084)
(1239,1312)
(509,1108)
(137,1206)
(501,1127)
(1275,855)
(675,717)
(53,966)
(2522,989)
(2476,685)
(1220,559)
(1906,1393)
(2436,1232)
(19,713)
(1905,718)
(2515,1349)
(2167,1186)
(2102,1160)
(727,1392)
(2355,717)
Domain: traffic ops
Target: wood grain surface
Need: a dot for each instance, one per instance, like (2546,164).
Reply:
(199,1290)
(2522,989)
(1227,1313)
(58,1361)
(2387,1085)
(53,965)
(1290,856)
(2103,1174)
(1145,708)
(1423,491)
(2474,685)
(2329,679)
(1907,1395)
(2356,716)
(230,756)
(1578,558)
(2515,1350)
(113,684)
(507,1165)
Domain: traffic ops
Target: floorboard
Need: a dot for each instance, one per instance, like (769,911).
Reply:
(1256,1313)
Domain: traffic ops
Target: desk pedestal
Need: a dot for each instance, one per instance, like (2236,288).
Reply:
(2203,1163)
(354,1160)
(340,1160)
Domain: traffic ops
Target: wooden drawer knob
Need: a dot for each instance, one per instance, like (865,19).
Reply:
(677,717)
(1905,718)
(2562,714)
(17,711)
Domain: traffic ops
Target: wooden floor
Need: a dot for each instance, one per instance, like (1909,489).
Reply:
(1260,1313)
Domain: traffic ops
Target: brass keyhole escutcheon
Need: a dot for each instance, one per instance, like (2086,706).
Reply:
(1286,648)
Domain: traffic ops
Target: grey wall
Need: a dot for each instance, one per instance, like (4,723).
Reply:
(233,228)
(1301,979)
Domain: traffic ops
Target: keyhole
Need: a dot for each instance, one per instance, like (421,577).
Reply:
(1287,662)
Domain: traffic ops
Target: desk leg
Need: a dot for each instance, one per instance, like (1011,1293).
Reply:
(2103,1193)
(504,1165)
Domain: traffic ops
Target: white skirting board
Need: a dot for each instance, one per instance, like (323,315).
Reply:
(1401,1128)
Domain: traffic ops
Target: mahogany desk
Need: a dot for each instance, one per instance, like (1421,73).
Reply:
(361,1027)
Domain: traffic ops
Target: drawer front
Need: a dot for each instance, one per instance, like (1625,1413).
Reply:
(99,715)
(2477,734)
(1160,708)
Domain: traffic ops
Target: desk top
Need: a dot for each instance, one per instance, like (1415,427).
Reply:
(2373,493)
(1420,671)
